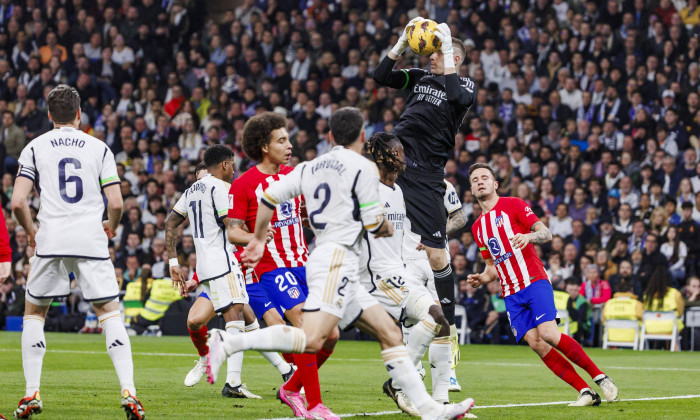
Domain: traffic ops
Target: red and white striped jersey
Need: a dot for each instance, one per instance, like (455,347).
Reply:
(517,268)
(288,248)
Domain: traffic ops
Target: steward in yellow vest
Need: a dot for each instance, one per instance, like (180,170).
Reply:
(161,296)
(135,295)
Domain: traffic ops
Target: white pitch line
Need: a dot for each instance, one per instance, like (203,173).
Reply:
(380,413)
(341,359)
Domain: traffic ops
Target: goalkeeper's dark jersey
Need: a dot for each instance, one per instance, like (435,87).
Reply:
(435,108)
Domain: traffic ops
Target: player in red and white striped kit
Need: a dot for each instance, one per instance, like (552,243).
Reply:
(505,232)
(281,270)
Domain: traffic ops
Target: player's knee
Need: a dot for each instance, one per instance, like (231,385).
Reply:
(332,339)
(314,344)
(551,336)
(195,322)
(439,318)
(437,259)
(390,335)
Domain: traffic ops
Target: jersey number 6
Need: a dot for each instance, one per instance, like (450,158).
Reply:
(63,180)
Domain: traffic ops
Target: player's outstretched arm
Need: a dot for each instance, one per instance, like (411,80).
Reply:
(490,274)
(253,253)
(238,234)
(385,230)
(385,74)
(115,207)
(20,206)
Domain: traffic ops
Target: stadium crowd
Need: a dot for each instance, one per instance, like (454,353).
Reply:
(587,110)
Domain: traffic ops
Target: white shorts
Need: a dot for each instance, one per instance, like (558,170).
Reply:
(331,274)
(51,277)
(418,272)
(226,291)
(403,301)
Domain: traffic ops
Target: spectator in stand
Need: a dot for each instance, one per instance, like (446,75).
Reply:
(595,289)
(579,310)
(676,253)
(478,306)
(659,295)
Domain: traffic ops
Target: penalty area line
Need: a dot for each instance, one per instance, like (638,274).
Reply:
(483,407)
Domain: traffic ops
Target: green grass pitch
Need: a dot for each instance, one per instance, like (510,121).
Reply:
(79,382)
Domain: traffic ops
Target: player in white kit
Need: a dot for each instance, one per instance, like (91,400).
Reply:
(340,188)
(418,266)
(383,274)
(71,171)
(206,204)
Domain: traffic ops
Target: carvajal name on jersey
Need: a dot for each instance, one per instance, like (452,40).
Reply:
(67,142)
(329,164)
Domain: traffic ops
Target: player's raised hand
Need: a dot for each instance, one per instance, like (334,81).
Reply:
(444,34)
(252,254)
(520,240)
(402,43)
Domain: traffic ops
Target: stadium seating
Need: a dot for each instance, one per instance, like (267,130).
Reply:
(621,329)
(659,326)
(462,322)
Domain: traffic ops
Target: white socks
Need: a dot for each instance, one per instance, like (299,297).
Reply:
(275,338)
(234,364)
(403,373)
(33,350)
(440,357)
(419,339)
(119,349)
(273,357)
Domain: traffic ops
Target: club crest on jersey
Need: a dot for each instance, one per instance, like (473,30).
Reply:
(499,221)
(495,247)
(286,209)
(293,292)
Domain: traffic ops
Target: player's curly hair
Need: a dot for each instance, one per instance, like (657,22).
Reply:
(256,133)
(379,148)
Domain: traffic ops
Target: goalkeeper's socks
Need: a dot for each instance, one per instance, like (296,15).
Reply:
(199,339)
(119,349)
(33,350)
(574,352)
(234,364)
(563,369)
(419,339)
(445,288)
(273,357)
(405,376)
(440,356)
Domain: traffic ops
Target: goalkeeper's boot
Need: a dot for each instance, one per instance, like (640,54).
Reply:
(29,406)
(132,406)
(321,412)
(608,387)
(195,375)
(586,398)
(240,391)
(400,398)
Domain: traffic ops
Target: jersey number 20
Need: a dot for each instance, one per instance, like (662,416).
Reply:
(63,181)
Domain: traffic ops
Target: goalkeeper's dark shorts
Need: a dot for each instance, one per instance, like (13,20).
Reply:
(424,193)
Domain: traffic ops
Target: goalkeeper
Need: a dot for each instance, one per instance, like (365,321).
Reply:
(437,102)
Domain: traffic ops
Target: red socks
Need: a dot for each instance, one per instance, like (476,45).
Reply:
(199,339)
(574,352)
(294,383)
(288,357)
(322,356)
(563,369)
(306,375)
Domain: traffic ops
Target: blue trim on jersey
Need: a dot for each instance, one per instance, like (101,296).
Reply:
(530,307)
(286,286)
(72,256)
(259,301)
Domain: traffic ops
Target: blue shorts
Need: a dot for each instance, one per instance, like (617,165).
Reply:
(286,287)
(530,307)
(258,300)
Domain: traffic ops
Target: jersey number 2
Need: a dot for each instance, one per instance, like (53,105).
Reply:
(326,198)
(63,181)
(197,217)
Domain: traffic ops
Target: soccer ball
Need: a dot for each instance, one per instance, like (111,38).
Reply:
(421,37)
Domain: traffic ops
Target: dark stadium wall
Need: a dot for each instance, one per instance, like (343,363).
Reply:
(217,7)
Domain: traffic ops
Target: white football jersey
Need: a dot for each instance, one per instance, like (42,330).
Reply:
(381,257)
(340,189)
(69,168)
(206,204)
(411,240)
